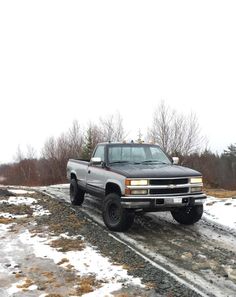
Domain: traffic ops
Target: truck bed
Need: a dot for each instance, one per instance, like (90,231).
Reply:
(79,168)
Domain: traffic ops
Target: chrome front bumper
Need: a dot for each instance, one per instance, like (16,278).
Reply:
(161,202)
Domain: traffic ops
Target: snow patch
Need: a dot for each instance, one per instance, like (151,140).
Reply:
(19,200)
(221,211)
(87,261)
(105,291)
(7,215)
(38,210)
(20,191)
(14,288)
(60,186)
(4,228)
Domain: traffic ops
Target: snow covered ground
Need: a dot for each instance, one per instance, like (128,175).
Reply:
(221,211)
(85,262)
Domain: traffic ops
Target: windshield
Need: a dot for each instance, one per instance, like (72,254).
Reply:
(137,154)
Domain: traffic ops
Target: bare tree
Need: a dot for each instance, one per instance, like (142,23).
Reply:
(49,154)
(24,172)
(49,149)
(31,152)
(19,156)
(75,139)
(161,131)
(175,132)
(112,128)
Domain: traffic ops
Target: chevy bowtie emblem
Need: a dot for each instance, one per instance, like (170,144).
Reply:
(172,186)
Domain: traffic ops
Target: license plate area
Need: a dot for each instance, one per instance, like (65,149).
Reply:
(177,200)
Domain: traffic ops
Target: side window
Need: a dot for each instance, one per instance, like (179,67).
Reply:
(100,152)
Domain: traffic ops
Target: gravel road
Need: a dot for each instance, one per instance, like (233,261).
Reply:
(203,255)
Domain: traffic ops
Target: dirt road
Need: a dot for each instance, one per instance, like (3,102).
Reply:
(50,247)
(203,255)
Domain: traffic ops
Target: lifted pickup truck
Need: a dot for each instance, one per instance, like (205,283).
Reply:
(134,177)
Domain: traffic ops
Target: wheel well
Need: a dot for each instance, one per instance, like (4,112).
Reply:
(73,176)
(113,188)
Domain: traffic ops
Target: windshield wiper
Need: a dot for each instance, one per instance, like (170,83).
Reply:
(153,161)
(119,162)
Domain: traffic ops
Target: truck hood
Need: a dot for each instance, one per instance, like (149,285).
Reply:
(153,171)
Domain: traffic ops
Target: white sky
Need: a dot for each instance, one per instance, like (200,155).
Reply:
(66,60)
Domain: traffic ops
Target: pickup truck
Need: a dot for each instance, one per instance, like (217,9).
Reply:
(136,177)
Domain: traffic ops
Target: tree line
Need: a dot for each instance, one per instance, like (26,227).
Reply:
(177,134)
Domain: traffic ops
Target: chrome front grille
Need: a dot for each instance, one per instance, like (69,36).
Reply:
(169,186)
(163,182)
(169,191)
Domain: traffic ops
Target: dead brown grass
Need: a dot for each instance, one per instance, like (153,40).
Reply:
(72,278)
(85,288)
(220,193)
(20,209)
(6,220)
(151,285)
(63,260)
(87,284)
(59,228)
(19,275)
(53,295)
(70,267)
(48,274)
(28,282)
(133,267)
(66,244)
(50,277)
(126,266)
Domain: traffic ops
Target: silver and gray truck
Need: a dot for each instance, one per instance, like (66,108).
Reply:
(136,177)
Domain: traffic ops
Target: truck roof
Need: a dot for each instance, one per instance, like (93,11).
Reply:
(126,143)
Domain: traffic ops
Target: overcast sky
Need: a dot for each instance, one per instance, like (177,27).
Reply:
(66,60)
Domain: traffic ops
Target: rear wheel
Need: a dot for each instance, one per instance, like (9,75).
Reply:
(76,194)
(115,217)
(188,215)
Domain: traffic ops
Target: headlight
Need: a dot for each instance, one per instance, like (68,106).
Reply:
(139,192)
(196,180)
(136,182)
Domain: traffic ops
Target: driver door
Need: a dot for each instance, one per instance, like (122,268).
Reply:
(96,174)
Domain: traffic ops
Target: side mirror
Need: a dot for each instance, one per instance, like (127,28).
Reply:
(96,161)
(175,160)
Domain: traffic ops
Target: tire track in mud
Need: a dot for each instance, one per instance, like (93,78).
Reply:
(202,256)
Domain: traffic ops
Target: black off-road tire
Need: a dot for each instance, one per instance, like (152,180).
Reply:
(188,215)
(115,217)
(76,194)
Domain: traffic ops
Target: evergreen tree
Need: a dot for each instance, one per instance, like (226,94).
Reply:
(87,149)
(231,151)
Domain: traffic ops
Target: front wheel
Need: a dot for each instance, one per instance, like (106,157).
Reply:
(115,217)
(188,215)
(76,194)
